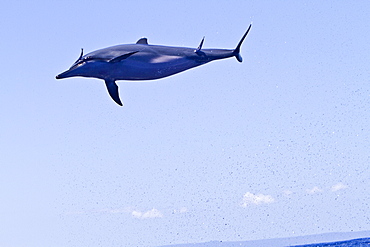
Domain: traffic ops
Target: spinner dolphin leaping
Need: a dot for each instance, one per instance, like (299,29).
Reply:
(142,61)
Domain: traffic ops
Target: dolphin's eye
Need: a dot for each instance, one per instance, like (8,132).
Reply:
(87,58)
(81,62)
(78,64)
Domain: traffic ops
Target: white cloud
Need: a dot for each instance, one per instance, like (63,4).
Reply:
(180,211)
(154,213)
(250,198)
(338,186)
(314,190)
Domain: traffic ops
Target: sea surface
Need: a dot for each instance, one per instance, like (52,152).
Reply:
(337,239)
(349,243)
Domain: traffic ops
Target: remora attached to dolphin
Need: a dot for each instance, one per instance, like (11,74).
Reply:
(142,61)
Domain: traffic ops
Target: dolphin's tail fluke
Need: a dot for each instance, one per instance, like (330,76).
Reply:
(236,51)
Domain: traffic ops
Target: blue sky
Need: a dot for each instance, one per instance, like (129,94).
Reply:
(277,146)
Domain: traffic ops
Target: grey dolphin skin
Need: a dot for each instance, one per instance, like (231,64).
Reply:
(142,61)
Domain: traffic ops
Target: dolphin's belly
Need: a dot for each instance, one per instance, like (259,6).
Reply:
(152,67)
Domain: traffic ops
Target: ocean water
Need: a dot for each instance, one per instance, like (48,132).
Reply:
(338,239)
(349,243)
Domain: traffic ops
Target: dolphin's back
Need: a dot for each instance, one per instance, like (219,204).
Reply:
(148,51)
(148,62)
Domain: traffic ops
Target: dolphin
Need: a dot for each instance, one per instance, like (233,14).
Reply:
(142,61)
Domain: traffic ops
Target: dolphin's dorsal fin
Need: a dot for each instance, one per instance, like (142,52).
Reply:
(198,50)
(201,44)
(142,41)
(122,57)
(113,91)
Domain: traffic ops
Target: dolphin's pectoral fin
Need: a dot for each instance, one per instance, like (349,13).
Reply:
(113,91)
(82,53)
(122,57)
(142,41)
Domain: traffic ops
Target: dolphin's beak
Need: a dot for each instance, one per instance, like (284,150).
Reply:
(63,75)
